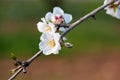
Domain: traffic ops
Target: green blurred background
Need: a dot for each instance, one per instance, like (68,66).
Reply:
(19,35)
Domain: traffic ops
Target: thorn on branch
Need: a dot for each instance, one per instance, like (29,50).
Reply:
(24,65)
(93,16)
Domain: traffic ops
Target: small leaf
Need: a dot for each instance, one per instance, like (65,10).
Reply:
(13,56)
(13,71)
(93,16)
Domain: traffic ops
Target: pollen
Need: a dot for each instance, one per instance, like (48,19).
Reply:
(48,29)
(51,43)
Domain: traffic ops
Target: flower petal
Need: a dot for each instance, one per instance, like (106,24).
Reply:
(56,37)
(52,27)
(42,45)
(41,26)
(58,11)
(45,36)
(113,13)
(45,46)
(48,16)
(67,17)
(118,12)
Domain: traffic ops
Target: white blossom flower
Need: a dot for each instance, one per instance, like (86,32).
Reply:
(45,27)
(50,43)
(58,16)
(113,9)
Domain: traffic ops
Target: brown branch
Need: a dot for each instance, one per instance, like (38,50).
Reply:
(15,74)
(29,61)
(91,14)
(63,25)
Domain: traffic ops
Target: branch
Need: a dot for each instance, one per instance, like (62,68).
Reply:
(15,74)
(26,63)
(91,14)
(63,25)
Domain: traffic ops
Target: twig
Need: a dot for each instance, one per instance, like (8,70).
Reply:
(63,25)
(15,74)
(91,14)
(34,57)
(29,61)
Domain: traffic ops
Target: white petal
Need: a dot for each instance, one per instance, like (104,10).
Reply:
(47,51)
(40,26)
(52,27)
(48,16)
(118,13)
(43,19)
(59,46)
(45,36)
(58,11)
(56,52)
(114,14)
(56,49)
(110,12)
(67,17)
(42,45)
(56,37)
(62,29)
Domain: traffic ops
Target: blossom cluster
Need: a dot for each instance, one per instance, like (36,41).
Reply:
(50,38)
(113,9)
(48,26)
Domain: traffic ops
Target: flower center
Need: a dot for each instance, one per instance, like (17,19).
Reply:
(51,43)
(59,19)
(48,29)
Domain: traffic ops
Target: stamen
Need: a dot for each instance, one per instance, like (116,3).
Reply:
(48,29)
(51,43)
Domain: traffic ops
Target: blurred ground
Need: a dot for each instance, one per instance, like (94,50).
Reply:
(96,51)
(105,66)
